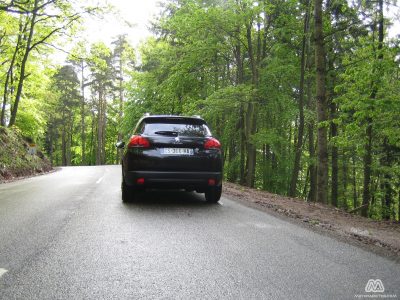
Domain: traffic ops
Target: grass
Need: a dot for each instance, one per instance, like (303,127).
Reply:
(14,158)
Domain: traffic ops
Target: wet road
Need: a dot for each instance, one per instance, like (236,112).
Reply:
(67,235)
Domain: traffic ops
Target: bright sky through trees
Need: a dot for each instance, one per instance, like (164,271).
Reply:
(131,17)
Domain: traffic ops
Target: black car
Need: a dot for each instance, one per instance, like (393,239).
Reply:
(172,152)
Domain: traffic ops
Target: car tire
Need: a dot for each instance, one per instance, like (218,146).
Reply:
(127,193)
(213,194)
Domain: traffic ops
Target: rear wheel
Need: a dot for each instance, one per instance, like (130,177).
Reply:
(127,192)
(213,194)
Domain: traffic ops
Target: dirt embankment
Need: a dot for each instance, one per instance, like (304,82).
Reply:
(15,160)
(379,236)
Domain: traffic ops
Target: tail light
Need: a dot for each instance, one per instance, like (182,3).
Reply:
(212,143)
(138,141)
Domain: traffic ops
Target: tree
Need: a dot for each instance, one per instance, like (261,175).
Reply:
(66,87)
(40,22)
(101,83)
(320,61)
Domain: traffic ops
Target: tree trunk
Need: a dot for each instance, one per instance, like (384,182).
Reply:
(64,141)
(398,206)
(103,131)
(50,141)
(345,178)
(121,107)
(242,136)
(23,65)
(242,146)
(369,129)
(92,141)
(99,147)
(251,149)
(387,179)
(335,158)
(83,126)
(355,197)
(299,146)
(320,60)
(310,128)
(367,169)
(251,116)
(9,75)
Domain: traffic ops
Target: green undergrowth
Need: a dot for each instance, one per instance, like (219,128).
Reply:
(15,161)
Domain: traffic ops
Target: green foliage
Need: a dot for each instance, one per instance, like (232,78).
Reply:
(222,59)
(236,63)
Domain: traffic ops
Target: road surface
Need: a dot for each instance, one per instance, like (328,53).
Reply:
(67,235)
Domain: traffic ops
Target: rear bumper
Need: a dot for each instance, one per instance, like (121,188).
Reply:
(187,180)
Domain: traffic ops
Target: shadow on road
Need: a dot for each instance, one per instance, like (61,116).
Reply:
(169,198)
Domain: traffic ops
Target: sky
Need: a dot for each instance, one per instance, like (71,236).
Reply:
(133,20)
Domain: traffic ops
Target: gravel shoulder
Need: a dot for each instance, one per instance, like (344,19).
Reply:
(381,237)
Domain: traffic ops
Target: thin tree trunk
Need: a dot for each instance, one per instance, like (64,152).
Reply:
(242,136)
(299,146)
(92,140)
(103,131)
(355,197)
(9,75)
(345,178)
(23,65)
(242,146)
(312,195)
(83,126)
(387,179)
(320,60)
(99,147)
(251,116)
(50,133)
(398,206)
(121,107)
(369,130)
(64,141)
(335,157)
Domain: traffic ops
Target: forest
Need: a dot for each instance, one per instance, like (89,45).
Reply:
(303,95)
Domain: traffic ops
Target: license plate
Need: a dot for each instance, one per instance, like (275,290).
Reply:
(177,151)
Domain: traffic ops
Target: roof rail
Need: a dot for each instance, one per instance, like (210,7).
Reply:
(146,114)
(197,116)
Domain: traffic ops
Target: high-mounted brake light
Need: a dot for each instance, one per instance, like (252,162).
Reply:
(138,141)
(212,143)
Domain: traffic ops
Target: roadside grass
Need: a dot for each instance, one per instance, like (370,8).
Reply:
(15,161)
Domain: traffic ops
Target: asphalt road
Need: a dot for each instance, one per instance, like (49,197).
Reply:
(67,235)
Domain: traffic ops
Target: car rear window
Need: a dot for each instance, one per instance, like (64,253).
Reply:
(176,128)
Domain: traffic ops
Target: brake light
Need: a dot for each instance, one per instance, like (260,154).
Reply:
(138,141)
(212,143)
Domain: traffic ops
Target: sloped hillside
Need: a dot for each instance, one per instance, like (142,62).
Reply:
(15,161)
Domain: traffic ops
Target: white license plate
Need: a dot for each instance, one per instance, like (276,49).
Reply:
(177,151)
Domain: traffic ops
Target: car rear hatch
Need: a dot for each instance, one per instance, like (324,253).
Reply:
(177,145)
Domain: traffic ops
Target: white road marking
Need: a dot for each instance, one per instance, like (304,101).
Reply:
(2,271)
(99,180)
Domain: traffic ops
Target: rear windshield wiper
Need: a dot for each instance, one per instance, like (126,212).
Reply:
(167,132)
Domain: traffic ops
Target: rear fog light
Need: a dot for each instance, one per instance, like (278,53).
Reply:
(211,181)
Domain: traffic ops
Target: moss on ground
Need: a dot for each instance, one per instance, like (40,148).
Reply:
(15,161)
